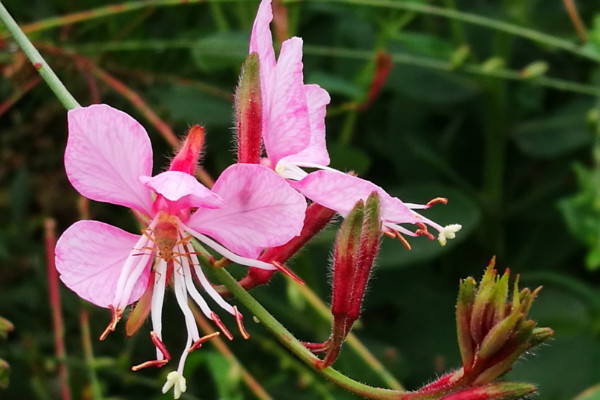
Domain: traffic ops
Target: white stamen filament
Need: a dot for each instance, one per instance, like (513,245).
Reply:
(182,300)
(399,228)
(158,295)
(193,292)
(210,289)
(249,262)
(131,270)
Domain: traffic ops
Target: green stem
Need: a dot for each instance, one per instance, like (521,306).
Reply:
(352,340)
(363,55)
(106,11)
(289,341)
(88,353)
(533,35)
(67,100)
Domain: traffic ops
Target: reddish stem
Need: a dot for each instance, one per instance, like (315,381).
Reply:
(54,298)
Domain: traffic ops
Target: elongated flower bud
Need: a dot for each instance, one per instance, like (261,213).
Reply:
(356,246)
(248,112)
(493,391)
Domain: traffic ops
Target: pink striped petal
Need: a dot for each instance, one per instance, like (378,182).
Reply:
(287,130)
(340,192)
(89,258)
(261,210)
(317,99)
(107,150)
(183,188)
(261,43)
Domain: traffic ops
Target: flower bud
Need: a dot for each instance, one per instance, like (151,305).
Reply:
(248,109)
(4,372)
(356,246)
(5,327)
(188,155)
(493,391)
(492,333)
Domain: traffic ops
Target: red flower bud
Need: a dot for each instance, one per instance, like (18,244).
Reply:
(356,246)
(188,155)
(248,112)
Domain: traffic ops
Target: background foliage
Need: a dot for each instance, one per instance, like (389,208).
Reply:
(505,126)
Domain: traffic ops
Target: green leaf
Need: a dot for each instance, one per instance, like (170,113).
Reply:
(592,393)
(441,88)
(556,133)
(221,50)
(349,158)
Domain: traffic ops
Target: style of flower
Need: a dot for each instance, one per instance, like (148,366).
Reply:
(108,158)
(293,133)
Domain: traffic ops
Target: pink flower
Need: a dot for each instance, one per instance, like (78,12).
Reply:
(293,132)
(109,159)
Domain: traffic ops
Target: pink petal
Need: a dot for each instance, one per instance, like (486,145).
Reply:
(89,258)
(287,130)
(261,42)
(340,192)
(261,210)
(182,188)
(106,152)
(317,99)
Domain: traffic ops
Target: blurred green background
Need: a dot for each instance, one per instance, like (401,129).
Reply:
(493,104)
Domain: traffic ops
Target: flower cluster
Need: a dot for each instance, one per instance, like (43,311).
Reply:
(255,205)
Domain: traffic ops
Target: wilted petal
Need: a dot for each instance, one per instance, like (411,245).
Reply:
(317,99)
(107,150)
(286,130)
(340,192)
(182,188)
(261,210)
(89,258)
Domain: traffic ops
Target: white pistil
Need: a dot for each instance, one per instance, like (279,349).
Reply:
(176,381)
(448,232)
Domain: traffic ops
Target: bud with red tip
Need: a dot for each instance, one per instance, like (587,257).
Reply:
(356,246)
(493,391)
(248,108)
(492,334)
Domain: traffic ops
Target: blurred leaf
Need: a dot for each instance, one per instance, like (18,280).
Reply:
(559,132)
(460,209)
(441,88)
(581,213)
(226,376)
(190,106)
(425,44)
(592,393)
(221,50)
(348,158)
(335,84)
